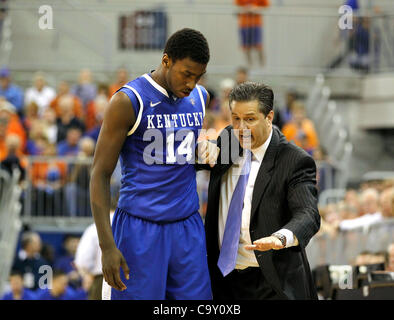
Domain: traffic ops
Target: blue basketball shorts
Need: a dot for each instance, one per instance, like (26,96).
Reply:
(166,260)
(251,36)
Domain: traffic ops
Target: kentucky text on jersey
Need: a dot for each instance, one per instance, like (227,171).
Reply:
(175,120)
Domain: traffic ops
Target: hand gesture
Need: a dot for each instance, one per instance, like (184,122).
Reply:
(265,244)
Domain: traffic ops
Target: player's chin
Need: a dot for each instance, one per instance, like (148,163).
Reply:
(183,94)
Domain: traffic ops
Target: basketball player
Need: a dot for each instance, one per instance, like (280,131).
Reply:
(156,248)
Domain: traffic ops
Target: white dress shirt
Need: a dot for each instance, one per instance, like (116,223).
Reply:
(42,98)
(245,258)
(88,255)
(364,221)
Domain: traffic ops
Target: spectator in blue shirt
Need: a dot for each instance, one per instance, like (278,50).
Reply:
(60,290)
(70,146)
(18,292)
(85,90)
(65,262)
(11,92)
(29,260)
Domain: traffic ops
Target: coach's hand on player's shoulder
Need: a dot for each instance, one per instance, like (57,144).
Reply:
(112,260)
(207,152)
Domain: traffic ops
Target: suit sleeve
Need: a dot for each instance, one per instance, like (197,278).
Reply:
(302,201)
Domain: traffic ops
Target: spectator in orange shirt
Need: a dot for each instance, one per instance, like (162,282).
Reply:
(122,77)
(64,91)
(48,177)
(250,25)
(95,108)
(10,124)
(300,129)
(40,169)
(31,116)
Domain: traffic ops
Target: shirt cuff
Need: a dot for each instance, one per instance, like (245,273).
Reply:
(291,239)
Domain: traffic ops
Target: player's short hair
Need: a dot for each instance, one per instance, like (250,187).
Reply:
(249,91)
(188,43)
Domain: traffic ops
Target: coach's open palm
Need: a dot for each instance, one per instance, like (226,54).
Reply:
(265,244)
(112,260)
(207,152)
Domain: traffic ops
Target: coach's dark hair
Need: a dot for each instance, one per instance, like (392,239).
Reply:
(249,91)
(188,43)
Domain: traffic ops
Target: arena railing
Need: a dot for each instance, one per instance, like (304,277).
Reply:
(378,175)
(10,223)
(56,194)
(343,247)
(331,130)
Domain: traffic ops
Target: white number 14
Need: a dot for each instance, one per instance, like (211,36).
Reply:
(186,147)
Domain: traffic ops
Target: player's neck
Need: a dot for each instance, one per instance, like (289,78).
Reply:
(158,77)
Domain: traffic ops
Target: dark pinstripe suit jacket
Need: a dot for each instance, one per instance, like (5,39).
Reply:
(284,196)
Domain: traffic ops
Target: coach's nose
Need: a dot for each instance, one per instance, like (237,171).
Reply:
(243,125)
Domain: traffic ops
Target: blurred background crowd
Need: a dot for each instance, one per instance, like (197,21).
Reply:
(52,107)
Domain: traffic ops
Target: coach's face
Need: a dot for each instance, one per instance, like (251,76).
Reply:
(182,75)
(250,123)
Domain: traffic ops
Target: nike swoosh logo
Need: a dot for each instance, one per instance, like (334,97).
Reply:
(154,104)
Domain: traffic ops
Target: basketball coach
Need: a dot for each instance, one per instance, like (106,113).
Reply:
(262,206)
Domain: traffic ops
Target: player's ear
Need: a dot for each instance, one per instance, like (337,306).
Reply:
(166,61)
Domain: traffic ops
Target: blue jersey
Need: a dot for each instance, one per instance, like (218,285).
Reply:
(157,159)
(26,295)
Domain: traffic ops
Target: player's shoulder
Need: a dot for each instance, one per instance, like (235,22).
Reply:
(136,82)
(201,87)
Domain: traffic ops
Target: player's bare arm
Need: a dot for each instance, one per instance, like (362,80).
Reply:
(118,119)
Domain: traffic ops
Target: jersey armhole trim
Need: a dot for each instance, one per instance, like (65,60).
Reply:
(202,99)
(138,120)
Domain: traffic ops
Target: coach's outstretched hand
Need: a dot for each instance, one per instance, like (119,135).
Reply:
(112,260)
(207,152)
(265,244)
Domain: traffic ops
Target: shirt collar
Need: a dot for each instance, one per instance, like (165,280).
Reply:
(155,84)
(259,152)
(159,87)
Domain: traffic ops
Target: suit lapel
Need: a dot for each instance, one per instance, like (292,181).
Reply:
(265,172)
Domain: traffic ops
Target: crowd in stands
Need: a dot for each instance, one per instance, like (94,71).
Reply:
(370,205)
(373,202)
(64,124)
(42,121)
(37,275)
